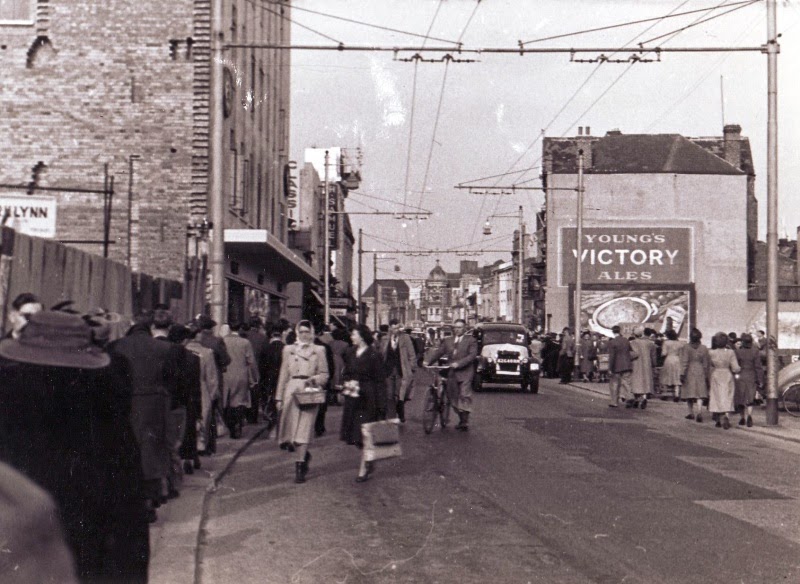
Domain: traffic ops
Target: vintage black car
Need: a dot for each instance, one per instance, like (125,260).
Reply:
(504,357)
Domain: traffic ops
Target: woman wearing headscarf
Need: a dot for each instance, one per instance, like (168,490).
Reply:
(364,373)
(303,364)
(749,380)
(723,367)
(695,383)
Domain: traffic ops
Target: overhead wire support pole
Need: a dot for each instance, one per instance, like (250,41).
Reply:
(327,250)
(215,196)
(578,260)
(521,258)
(772,49)
(360,278)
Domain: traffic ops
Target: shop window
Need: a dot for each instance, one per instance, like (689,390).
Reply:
(17,11)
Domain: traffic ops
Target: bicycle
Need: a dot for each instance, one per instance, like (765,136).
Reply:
(790,400)
(437,402)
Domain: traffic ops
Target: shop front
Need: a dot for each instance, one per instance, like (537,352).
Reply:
(265,278)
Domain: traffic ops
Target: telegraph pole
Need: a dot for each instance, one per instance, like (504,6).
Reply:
(772,49)
(578,266)
(326,261)
(521,257)
(215,195)
(360,259)
(375,294)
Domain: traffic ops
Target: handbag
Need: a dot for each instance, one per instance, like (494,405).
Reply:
(385,433)
(309,398)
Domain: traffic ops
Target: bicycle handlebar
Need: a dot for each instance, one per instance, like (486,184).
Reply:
(437,367)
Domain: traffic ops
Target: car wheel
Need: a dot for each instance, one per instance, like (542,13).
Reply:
(534,386)
(478,387)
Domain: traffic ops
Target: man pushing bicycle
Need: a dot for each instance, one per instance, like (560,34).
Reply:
(461,351)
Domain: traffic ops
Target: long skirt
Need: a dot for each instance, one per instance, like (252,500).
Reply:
(297,425)
(720,397)
(671,371)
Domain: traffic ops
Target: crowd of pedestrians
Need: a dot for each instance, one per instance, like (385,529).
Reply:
(724,379)
(106,417)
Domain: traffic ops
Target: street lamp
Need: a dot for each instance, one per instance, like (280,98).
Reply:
(487,230)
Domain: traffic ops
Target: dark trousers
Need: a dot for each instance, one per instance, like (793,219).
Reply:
(565,366)
(319,423)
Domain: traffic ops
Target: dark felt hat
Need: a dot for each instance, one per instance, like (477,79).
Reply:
(205,322)
(57,339)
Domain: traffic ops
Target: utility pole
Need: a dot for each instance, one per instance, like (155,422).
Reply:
(326,261)
(578,266)
(375,294)
(215,195)
(772,49)
(360,281)
(521,256)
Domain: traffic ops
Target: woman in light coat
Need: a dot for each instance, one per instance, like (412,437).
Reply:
(723,367)
(303,364)
(695,383)
(674,367)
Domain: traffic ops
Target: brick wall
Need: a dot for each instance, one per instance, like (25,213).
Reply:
(100,85)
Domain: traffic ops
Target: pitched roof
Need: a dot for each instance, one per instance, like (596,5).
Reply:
(636,154)
(400,285)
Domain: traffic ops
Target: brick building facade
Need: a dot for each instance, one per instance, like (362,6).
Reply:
(125,83)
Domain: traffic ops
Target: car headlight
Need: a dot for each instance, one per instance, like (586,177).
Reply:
(489,360)
(524,360)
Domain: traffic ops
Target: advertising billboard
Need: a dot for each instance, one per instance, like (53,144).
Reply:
(292,194)
(31,215)
(618,255)
(659,310)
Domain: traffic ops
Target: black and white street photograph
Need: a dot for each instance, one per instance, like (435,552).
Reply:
(399,292)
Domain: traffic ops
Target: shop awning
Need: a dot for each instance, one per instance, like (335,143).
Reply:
(266,251)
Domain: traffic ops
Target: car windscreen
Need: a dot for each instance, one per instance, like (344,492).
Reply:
(491,337)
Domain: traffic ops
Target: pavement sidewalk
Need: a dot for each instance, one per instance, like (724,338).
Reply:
(788,427)
(175,537)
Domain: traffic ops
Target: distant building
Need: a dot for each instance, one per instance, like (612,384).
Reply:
(668,235)
(392,301)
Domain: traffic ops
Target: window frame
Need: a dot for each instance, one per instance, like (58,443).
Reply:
(30,22)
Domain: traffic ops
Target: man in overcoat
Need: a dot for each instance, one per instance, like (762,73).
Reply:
(461,350)
(620,366)
(208,339)
(240,375)
(153,368)
(400,364)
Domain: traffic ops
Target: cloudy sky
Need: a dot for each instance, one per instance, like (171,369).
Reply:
(492,112)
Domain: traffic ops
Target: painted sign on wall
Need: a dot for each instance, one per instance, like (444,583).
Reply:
(614,255)
(657,309)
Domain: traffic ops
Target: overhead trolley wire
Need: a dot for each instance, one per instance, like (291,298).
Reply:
(363,23)
(699,22)
(439,109)
(630,23)
(290,20)
(655,22)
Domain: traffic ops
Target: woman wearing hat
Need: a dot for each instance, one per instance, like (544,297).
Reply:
(303,364)
(64,423)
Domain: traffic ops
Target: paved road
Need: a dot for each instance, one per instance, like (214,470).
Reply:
(554,487)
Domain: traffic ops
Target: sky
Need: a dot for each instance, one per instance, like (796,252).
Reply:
(491,113)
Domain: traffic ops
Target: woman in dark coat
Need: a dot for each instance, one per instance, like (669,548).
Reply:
(363,364)
(64,423)
(749,380)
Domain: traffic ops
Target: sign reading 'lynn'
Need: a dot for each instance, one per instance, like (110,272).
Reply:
(610,255)
(31,215)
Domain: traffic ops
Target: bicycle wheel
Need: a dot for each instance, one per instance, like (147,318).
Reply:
(790,398)
(444,413)
(429,410)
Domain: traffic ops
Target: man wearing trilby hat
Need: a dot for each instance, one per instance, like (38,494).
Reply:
(64,423)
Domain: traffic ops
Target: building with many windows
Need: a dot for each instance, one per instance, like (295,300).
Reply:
(101,93)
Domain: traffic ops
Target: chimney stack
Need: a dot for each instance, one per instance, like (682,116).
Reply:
(732,137)
(580,130)
(588,131)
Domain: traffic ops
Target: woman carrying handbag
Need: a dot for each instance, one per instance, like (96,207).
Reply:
(364,390)
(303,369)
